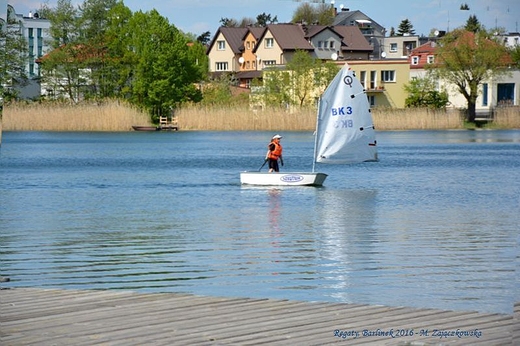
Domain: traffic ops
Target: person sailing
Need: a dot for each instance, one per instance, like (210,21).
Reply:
(274,153)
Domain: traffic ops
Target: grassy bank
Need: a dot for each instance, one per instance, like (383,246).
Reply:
(118,116)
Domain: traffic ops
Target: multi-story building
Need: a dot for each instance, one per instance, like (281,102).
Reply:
(500,91)
(371,30)
(383,80)
(245,52)
(35,31)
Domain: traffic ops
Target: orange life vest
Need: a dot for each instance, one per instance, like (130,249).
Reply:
(276,153)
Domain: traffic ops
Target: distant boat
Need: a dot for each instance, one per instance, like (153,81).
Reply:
(155,128)
(344,133)
(145,128)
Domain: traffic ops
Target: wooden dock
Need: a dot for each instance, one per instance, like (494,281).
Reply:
(76,317)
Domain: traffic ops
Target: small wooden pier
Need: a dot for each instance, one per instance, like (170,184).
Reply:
(75,317)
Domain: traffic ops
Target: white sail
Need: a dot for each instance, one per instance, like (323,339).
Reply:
(345,131)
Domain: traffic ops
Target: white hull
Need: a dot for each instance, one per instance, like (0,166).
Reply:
(282,179)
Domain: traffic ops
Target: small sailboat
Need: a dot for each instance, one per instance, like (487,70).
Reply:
(344,133)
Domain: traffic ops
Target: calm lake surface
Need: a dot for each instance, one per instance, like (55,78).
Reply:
(434,224)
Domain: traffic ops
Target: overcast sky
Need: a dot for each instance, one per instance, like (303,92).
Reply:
(198,16)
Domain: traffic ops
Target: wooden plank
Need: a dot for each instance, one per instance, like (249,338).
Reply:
(69,317)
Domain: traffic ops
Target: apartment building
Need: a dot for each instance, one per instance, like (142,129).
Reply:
(35,31)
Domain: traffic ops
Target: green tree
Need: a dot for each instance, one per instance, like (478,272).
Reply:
(64,23)
(163,75)
(515,56)
(119,58)
(94,22)
(264,19)
(229,22)
(405,28)
(472,24)
(14,53)
(466,59)
(204,38)
(276,89)
(218,92)
(422,92)
(302,66)
(304,78)
(63,68)
(322,14)
(94,19)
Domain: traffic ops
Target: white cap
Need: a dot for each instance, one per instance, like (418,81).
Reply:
(277,136)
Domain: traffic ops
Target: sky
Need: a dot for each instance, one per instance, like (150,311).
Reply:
(199,16)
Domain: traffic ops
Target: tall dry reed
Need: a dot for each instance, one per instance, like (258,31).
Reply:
(119,116)
(197,118)
(507,117)
(107,116)
(242,118)
(416,119)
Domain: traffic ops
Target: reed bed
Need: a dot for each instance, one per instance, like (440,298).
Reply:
(245,119)
(110,115)
(507,117)
(417,119)
(119,116)
(242,118)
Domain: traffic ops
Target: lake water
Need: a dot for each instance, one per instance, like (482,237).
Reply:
(434,224)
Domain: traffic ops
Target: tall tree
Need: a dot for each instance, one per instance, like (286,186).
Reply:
(94,18)
(304,78)
(229,22)
(63,67)
(264,19)
(466,59)
(94,21)
(322,14)
(422,92)
(14,53)
(204,38)
(515,56)
(405,28)
(164,72)
(64,23)
(472,24)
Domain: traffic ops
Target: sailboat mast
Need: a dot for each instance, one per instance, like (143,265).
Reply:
(316,136)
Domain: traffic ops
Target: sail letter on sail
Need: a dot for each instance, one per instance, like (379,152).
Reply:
(345,131)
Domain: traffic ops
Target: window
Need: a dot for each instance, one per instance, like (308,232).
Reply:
(221,66)
(269,43)
(430,59)
(371,100)
(269,62)
(388,76)
(362,78)
(221,45)
(484,94)
(30,33)
(373,75)
(331,44)
(320,44)
(248,45)
(393,47)
(415,60)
